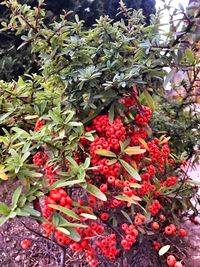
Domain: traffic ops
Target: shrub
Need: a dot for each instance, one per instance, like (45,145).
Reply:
(78,133)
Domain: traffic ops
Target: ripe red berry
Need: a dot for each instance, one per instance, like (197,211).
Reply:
(182,232)
(168,230)
(104,216)
(26,243)
(171,260)
(138,221)
(162,217)
(155,225)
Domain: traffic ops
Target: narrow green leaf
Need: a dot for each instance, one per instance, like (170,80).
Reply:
(124,144)
(22,213)
(86,163)
(74,235)
(127,216)
(56,219)
(72,161)
(15,197)
(4,209)
(134,150)
(105,153)
(63,183)
(112,161)
(133,173)
(26,172)
(111,113)
(69,117)
(133,199)
(64,231)
(5,115)
(32,211)
(66,211)
(149,100)
(75,124)
(95,191)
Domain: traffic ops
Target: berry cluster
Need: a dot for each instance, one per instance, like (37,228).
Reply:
(149,158)
(108,246)
(130,237)
(154,207)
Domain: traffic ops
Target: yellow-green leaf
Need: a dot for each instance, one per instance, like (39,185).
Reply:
(134,150)
(105,153)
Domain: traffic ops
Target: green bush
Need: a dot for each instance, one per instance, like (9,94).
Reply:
(107,73)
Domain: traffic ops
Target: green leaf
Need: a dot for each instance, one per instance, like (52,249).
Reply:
(64,231)
(127,216)
(111,113)
(21,132)
(86,163)
(95,191)
(134,150)
(63,183)
(72,161)
(112,161)
(55,117)
(163,250)
(75,124)
(5,115)
(124,144)
(20,212)
(26,172)
(149,100)
(69,117)
(133,173)
(66,211)
(4,209)
(132,199)
(89,216)
(74,235)
(189,54)
(31,211)
(89,137)
(15,197)
(105,153)
(56,219)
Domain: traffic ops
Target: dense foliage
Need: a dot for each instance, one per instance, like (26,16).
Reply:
(77,132)
(15,61)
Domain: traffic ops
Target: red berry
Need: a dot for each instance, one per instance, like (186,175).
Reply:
(155,225)
(168,230)
(182,232)
(104,216)
(171,260)
(26,243)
